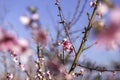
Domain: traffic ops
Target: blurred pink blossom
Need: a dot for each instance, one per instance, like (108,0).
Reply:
(115,17)
(110,37)
(82,71)
(21,46)
(7,40)
(25,20)
(102,9)
(35,16)
(55,66)
(40,36)
(27,78)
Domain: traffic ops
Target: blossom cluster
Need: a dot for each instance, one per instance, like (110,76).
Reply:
(40,36)
(66,45)
(15,47)
(9,41)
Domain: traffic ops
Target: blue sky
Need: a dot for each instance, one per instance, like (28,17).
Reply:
(46,10)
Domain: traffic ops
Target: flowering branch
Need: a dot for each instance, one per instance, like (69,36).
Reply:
(19,64)
(64,23)
(39,63)
(87,30)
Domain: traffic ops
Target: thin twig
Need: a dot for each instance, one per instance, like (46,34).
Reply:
(63,57)
(80,13)
(76,31)
(89,46)
(27,74)
(88,15)
(98,69)
(76,11)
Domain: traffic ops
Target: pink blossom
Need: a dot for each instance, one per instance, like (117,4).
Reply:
(57,69)
(22,49)
(35,16)
(54,66)
(92,4)
(67,45)
(110,38)
(115,16)
(9,43)
(23,42)
(7,40)
(40,36)
(102,10)
(27,78)
(25,20)
(82,71)
(21,46)
(15,59)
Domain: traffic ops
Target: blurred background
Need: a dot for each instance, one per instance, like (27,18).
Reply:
(103,54)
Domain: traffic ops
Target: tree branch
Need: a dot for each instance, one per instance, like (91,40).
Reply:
(89,46)
(80,13)
(76,12)
(99,69)
(87,30)
(64,24)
